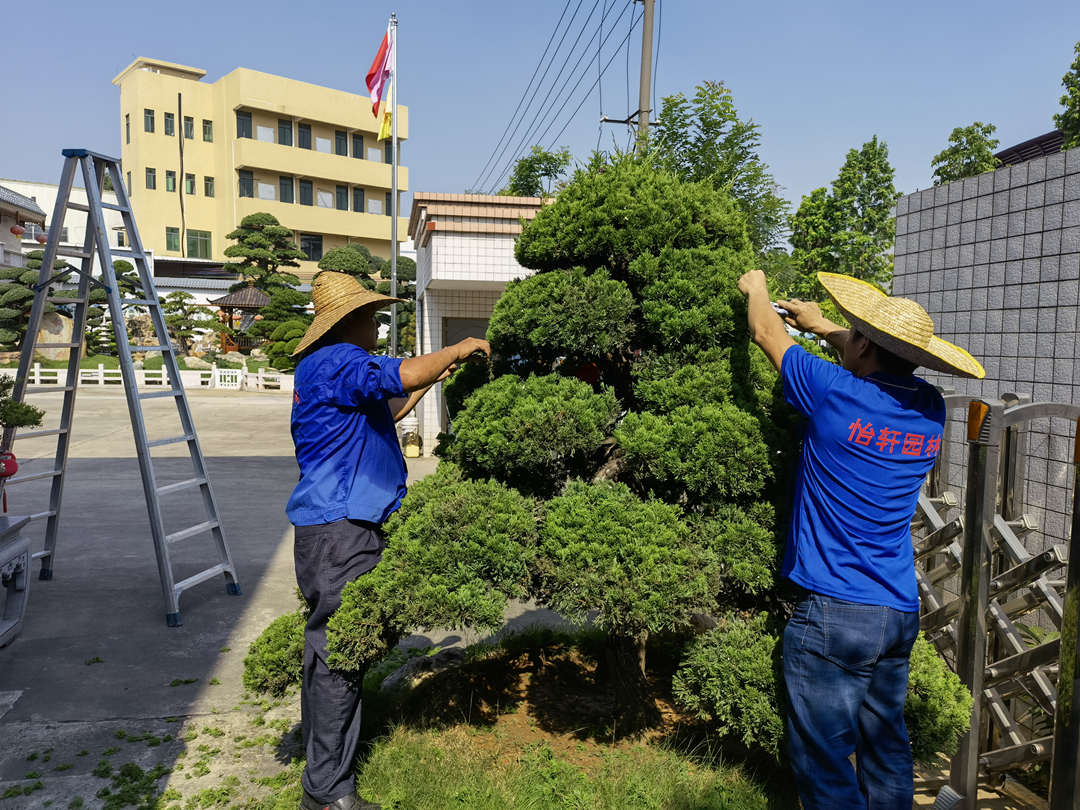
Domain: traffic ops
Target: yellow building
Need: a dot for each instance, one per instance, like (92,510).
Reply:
(199,157)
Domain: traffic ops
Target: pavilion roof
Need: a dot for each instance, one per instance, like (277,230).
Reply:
(244,298)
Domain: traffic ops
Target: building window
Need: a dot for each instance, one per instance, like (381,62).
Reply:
(341,143)
(357,145)
(264,134)
(375,207)
(247,183)
(284,132)
(208,186)
(129,181)
(170,180)
(207,130)
(358,200)
(120,239)
(285,189)
(198,244)
(127,130)
(189,127)
(170,124)
(343,198)
(311,246)
(303,136)
(324,199)
(388,152)
(243,124)
(264,191)
(306,192)
(172,239)
(148,120)
(388,211)
(322,145)
(151,178)
(189,185)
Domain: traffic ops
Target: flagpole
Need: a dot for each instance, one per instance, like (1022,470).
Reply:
(393,185)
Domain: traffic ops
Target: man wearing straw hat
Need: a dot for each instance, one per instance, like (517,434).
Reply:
(873,432)
(352,478)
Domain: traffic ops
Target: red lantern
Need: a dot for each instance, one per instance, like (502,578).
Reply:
(42,238)
(8,465)
(18,230)
(258,317)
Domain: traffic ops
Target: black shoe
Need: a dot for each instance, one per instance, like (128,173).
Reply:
(349,802)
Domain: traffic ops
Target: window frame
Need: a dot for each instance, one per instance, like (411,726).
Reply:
(285,125)
(341,143)
(148,120)
(189,131)
(189,184)
(151,178)
(310,192)
(245,180)
(286,182)
(341,198)
(311,237)
(208,186)
(170,180)
(168,124)
(208,130)
(127,130)
(389,210)
(172,237)
(301,131)
(197,239)
(248,130)
(358,207)
(358,140)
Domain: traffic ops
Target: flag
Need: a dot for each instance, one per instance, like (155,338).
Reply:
(379,73)
(387,124)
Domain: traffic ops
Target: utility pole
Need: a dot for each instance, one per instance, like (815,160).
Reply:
(644,112)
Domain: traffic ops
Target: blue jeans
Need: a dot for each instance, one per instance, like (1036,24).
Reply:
(846,671)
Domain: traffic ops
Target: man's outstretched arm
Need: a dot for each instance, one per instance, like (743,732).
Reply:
(767,329)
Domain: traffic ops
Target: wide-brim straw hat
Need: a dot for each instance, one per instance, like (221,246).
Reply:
(336,295)
(899,325)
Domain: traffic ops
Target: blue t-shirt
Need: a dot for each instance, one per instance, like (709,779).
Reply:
(869,444)
(346,443)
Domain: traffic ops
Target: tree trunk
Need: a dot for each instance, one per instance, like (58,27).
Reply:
(624,669)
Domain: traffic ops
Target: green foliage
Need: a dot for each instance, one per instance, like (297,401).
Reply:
(702,456)
(970,152)
(532,434)
(1068,120)
(633,561)
(748,547)
(704,139)
(731,676)
(184,318)
(406,311)
(275,659)
(562,314)
(355,260)
(461,384)
(17,296)
(938,708)
(16,414)
(527,179)
(263,246)
(611,213)
(284,321)
(455,554)
(849,229)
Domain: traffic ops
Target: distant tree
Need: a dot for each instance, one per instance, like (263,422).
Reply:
(184,318)
(406,312)
(262,247)
(970,152)
(703,138)
(849,229)
(284,321)
(17,296)
(1068,120)
(533,174)
(356,260)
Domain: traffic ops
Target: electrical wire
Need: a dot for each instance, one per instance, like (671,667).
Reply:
(659,34)
(599,74)
(545,108)
(629,129)
(588,92)
(528,86)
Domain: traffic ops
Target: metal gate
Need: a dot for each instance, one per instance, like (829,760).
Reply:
(985,592)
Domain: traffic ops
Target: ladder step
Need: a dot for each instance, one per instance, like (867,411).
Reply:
(155,394)
(73,253)
(114,207)
(137,302)
(135,348)
(191,531)
(37,434)
(57,299)
(40,515)
(202,576)
(18,479)
(124,251)
(37,555)
(171,440)
(58,345)
(47,389)
(74,206)
(188,484)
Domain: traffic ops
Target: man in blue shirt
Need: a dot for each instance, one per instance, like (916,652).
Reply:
(873,432)
(352,478)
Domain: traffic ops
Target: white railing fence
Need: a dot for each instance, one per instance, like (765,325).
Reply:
(232,379)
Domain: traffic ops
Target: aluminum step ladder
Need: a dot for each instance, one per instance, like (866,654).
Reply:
(93,168)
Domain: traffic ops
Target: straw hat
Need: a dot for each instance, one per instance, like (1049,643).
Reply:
(899,325)
(336,295)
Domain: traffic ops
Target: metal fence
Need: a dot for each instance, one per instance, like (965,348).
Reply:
(999,599)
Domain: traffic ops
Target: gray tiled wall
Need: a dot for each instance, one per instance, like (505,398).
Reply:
(995,259)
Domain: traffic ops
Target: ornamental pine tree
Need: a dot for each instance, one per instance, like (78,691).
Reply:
(262,248)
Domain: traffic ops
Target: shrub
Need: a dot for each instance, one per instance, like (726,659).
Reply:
(531,434)
(703,455)
(275,660)
(730,676)
(938,708)
(457,553)
(745,541)
(461,384)
(562,314)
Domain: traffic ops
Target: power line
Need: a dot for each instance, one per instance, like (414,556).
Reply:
(531,129)
(659,33)
(628,79)
(492,157)
(615,52)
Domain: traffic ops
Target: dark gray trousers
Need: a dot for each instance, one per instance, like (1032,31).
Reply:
(328,557)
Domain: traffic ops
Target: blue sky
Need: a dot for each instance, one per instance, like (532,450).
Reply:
(819,78)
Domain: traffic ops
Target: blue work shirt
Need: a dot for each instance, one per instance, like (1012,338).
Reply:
(351,465)
(869,444)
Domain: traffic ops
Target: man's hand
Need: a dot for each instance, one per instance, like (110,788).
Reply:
(753,281)
(805,316)
(469,346)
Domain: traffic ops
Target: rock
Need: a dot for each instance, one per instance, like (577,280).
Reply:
(151,355)
(234,357)
(258,354)
(419,669)
(196,363)
(55,328)
(137,364)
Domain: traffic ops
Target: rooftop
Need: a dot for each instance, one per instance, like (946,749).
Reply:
(21,203)
(160,66)
(1047,144)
